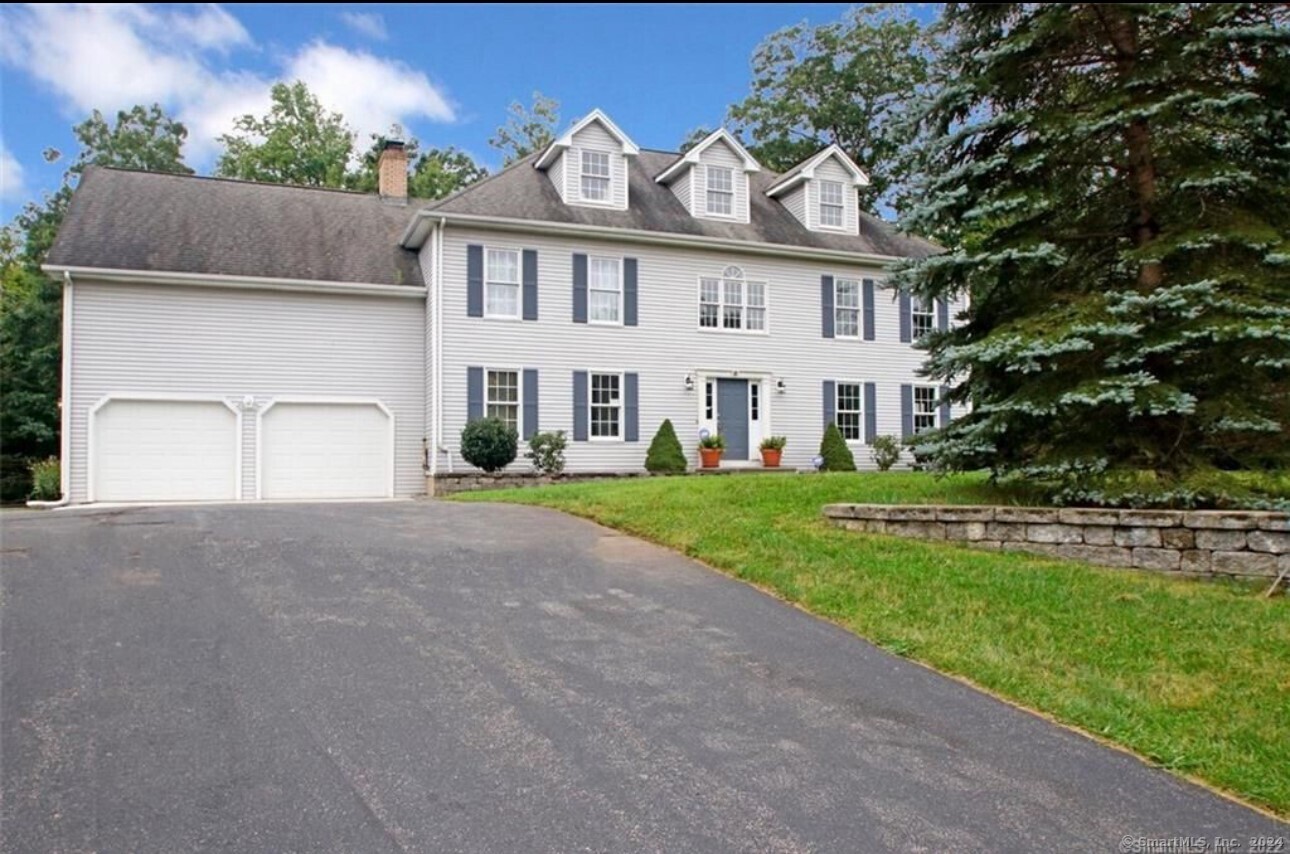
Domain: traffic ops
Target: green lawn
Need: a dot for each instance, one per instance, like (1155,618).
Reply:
(1193,675)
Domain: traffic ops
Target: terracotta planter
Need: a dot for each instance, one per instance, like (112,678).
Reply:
(711,457)
(770,457)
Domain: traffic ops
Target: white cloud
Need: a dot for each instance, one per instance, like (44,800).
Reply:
(13,184)
(368,24)
(111,57)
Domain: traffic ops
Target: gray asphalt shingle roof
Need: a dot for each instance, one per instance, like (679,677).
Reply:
(127,220)
(522,192)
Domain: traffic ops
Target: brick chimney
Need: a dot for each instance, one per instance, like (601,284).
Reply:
(392,171)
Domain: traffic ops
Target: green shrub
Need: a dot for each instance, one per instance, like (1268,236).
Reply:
(837,456)
(46,480)
(488,444)
(774,443)
(885,452)
(665,455)
(15,478)
(546,450)
(713,441)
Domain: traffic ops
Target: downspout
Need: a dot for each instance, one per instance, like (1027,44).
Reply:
(65,406)
(440,234)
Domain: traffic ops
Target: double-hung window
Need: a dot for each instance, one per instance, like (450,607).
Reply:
(606,406)
(732,303)
(924,408)
(831,206)
(503,398)
(605,290)
(922,316)
(595,176)
(502,283)
(849,411)
(721,191)
(846,308)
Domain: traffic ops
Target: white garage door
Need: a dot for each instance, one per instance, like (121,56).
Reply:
(164,450)
(326,450)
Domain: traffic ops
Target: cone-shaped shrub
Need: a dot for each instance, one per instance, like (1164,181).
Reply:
(665,454)
(837,456)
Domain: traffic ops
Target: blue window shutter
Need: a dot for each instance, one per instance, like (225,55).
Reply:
(474,394)
(942,315)
(629,291)
(580,405)
(868,309)
(906,411)
(945,406)
(579,288)
(530,392)
(530,280)
(474,281)
(826,304)
(870,413)
(906,321)
(830,402)
(631,407)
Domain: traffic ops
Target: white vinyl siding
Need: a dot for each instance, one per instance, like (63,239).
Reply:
(502,283)
(846,308)
(236,344)
(922,316)
(502,397)
(722,160)
(925,397)
(594,138)
(604,290)
(795,201)
(606,409)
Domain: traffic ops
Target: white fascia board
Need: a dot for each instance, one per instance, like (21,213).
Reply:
(858,176)
(630,149)
(692,157)
(151,277)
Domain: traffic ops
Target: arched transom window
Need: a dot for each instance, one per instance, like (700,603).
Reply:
(731,303)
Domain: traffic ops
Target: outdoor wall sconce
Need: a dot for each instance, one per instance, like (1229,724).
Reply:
(781,386)
(689,382)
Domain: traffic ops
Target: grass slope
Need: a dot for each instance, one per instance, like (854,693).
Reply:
(1195,676)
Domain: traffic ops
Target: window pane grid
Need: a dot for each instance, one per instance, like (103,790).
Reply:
(731,303)
(502,283)
(848,412)
(831,209)
(846,321)
(606,406)
(595,175)
(605,282)
(721,190)
(922,315)
(503,398)
(925,402)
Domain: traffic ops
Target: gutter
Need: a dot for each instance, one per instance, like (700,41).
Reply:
(154,277)
(65,408)
(417,231)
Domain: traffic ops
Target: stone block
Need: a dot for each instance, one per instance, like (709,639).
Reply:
(1158,559)
(1138,537)
(988,545)
(1036,515)
(1178,538)
(1194,561)
(965,514)
(1099,535)
(1272,542)
(1151,518)
(1045,549)
(1054,534)
(966,531)
(1087,516)
(1005,531)
(839,511)
(917,530)
(1228,520)
(1100,555)
(911,514)
(1274,522)
(1228,541)
(1244,563)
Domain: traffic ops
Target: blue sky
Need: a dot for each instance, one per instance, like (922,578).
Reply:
(445,72)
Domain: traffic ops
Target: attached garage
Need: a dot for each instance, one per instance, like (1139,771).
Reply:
(148,449)
(326,449)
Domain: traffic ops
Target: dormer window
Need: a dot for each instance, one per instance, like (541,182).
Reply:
(595,176)
(721,191)
(831,204)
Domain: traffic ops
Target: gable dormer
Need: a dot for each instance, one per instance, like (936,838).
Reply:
(711,179)
(588,163)
(822,192)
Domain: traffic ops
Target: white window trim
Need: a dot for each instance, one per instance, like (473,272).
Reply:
(622,290)
(519,283)
(914,413)
(707,190)
(932,308)
(519,395)
(743,330)
(819,206)
(859,309)
(837,397)
(608,200)
(622,407)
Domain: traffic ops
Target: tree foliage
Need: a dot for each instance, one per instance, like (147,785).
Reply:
(298,142)
(849,82)
(1124,171)
(488,444)
(665,455)
(527,129)
(143,138)
(433,174)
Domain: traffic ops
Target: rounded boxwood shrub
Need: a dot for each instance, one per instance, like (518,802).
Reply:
(665,455)
(837,456)
(488,444)
(885,452)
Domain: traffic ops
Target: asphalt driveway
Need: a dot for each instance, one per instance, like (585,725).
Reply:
(440,677)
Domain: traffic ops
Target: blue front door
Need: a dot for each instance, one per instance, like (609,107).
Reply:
(732,417)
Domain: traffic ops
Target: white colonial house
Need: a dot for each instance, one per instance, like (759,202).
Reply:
(227,340)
